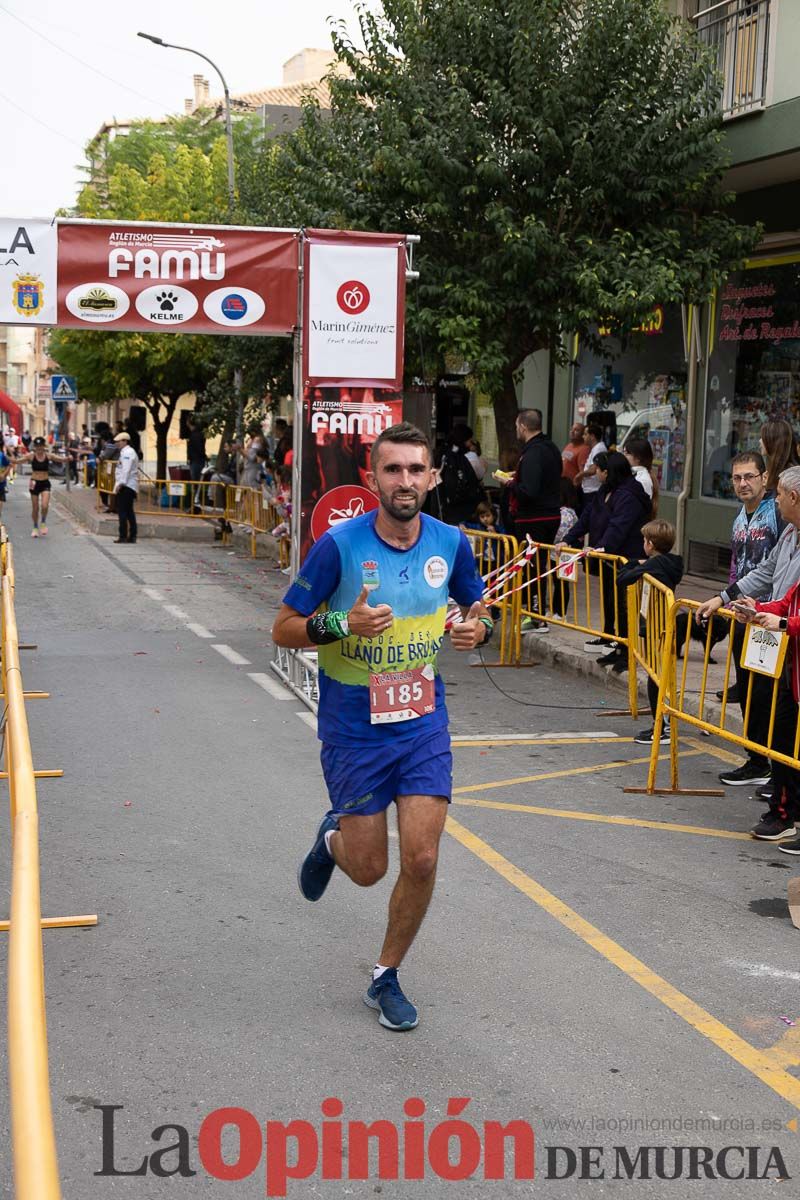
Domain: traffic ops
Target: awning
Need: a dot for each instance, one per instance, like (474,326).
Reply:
(12,411)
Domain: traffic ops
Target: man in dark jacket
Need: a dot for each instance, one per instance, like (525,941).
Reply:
(535,490)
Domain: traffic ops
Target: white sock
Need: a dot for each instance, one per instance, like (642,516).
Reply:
(329,834)
(377,971)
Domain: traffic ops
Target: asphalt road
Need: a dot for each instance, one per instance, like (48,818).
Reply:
(608,982)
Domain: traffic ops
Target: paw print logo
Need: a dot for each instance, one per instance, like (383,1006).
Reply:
(167,301)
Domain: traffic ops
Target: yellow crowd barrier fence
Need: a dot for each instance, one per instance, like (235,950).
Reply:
(204,500)
(769,726)
(494,555)
(33,1139)
(555,582)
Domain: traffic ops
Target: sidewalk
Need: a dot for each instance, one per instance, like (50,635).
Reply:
(82,504)
(564,648)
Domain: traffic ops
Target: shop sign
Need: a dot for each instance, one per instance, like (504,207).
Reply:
(650,326)
(189,279)
(747,314)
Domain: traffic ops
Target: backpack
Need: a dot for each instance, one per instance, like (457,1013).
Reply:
(459,482)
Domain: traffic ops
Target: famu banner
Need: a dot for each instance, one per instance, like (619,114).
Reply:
(354,309)
(339,426)
(186,278)
(27,271)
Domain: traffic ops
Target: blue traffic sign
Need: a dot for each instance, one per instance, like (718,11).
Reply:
(63,387)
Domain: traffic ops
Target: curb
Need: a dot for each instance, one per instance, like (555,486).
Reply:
(198,532)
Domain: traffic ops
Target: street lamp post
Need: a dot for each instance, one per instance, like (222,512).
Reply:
(228,126)
(237,379)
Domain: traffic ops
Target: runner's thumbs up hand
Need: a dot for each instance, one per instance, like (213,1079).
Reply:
(366,621)
(470,632)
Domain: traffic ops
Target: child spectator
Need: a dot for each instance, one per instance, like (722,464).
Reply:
(666,568)
(639,454)
(484,520)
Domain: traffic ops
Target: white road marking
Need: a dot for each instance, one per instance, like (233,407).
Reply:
(527,737)
(270,685)
(199,630)
(176,612)
(153,594)
(232,655)
(308,718)
(764,970)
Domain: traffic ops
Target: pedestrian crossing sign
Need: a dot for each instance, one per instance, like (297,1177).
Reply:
(63,387)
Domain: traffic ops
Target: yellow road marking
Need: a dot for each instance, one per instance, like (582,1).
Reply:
(786,1051)
(628,762)
(758,1062)
(716,751)
(603,820)
(576,741)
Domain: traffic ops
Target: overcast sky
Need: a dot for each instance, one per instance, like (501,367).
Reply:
(69,66)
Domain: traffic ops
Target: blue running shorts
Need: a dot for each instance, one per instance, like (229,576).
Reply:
(368,779)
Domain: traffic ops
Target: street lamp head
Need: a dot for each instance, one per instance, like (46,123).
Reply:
(150,38)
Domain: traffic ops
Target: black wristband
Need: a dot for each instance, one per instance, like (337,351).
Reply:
(318,631)
(488,625)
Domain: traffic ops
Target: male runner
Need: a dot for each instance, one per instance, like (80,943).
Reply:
(372,594)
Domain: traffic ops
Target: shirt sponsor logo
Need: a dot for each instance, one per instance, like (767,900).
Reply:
(435,571)
(370,579)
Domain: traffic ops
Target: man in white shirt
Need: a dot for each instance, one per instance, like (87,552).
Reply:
(126,488)
(588,479)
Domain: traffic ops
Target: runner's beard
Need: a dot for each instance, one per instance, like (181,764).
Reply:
(402,512)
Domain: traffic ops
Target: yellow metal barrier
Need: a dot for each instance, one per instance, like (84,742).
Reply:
(494,555)
(676,705)
(649,605)
(33,1139)
(203,500)
(548,586)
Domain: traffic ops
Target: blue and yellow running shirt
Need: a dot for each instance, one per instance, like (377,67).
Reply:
(415,583)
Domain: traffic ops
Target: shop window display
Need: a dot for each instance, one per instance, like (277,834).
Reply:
(754,366)
(644,382)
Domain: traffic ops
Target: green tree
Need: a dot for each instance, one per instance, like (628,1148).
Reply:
(561,159)
(153,368)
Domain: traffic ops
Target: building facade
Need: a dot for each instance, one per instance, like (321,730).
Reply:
(748,367)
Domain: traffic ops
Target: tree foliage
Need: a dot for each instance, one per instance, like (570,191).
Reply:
(561,160)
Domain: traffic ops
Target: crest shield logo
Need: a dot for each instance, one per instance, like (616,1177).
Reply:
(28,295)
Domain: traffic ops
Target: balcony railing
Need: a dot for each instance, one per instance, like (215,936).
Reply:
(738,32)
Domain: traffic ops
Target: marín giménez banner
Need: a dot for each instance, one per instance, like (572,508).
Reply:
(185,278)
(354,309)
(27,271)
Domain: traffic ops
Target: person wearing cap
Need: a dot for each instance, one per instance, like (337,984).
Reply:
(126,488)
(39,487)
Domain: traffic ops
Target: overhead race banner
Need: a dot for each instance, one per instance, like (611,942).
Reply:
(27,272)
(186,278)
(354,309)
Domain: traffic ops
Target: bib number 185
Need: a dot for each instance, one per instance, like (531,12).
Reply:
(401,695)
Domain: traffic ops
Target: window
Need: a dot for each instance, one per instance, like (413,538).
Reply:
(738,32)
(754,366)
(644,383)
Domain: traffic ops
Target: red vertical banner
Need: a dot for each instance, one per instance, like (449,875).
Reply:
(354,309)
(339,426)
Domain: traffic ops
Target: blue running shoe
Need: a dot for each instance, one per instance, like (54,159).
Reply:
(385,994)
(314,872)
